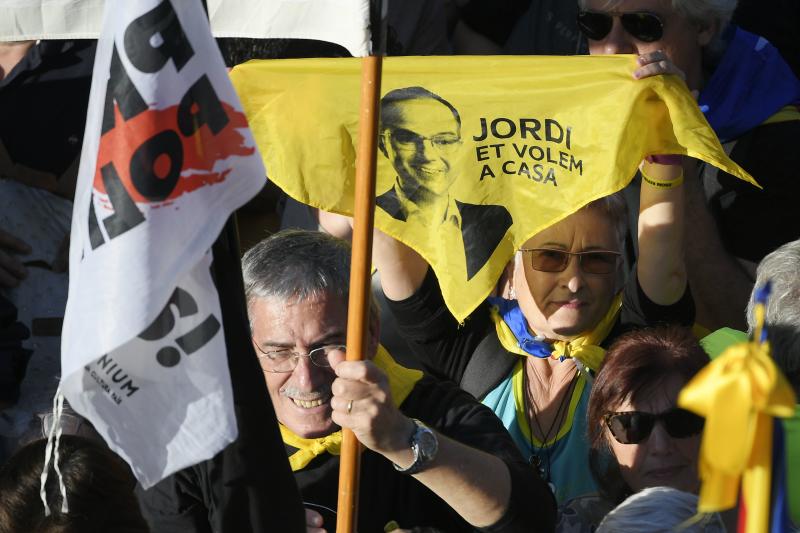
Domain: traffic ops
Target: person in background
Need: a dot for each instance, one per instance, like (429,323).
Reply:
(639,438)
(782,269)
(99,487)
(749,95)
(44,96)
(660,510)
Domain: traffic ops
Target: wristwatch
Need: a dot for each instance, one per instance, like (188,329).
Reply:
(424,444)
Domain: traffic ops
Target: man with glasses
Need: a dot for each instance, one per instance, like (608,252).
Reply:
(433,457)
(420,133)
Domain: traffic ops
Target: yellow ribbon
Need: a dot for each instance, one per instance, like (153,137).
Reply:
(308,449)
(738,393)
(583,348)
(401,382)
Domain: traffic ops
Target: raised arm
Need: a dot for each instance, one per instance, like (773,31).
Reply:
(402,269)
(661,268)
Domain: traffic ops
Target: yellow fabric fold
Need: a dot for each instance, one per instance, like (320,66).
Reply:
(785,114)
(308,449)
(738,394)
(584,348)
(401,382)
(514,152)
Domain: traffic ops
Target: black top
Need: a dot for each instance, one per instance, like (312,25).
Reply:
(43,104)
(494,19)
(13,357)
(777,20)
(444,347)
(753,222)
(385,494)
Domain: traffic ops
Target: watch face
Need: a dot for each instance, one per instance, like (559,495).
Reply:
(428,444)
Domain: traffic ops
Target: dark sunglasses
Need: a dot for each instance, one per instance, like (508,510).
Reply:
(642,25)
(550,260)
(633,427)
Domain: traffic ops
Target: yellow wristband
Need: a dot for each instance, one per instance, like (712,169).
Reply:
(662,184)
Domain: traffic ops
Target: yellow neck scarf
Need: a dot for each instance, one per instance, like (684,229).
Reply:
(401,382)
(583,348)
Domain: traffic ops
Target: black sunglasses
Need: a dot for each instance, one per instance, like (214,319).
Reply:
(642,25)
(633,427)
(594,262)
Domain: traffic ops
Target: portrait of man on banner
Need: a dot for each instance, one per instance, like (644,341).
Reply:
(419,134)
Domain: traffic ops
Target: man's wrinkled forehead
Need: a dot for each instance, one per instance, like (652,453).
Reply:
(287,322)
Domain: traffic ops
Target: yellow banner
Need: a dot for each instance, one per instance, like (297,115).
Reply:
(476,154)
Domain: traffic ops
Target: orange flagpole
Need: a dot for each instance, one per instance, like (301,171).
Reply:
(358,306)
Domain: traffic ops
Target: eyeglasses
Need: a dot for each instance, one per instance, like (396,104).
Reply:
(409,141)
(70,423)
(633,427)
(286,360)
(642,25)
(593,262)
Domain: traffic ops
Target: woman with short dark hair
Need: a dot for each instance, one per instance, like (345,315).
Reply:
(638,437)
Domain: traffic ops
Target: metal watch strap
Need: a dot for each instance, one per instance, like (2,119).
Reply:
(424,445)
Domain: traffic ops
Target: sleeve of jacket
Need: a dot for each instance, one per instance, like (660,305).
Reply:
(456,414)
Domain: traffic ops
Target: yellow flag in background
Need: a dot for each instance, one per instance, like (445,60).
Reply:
(477,154)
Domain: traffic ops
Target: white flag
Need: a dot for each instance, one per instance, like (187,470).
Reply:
(167,157)
(344,22)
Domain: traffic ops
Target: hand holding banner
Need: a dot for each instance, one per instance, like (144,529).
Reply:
(477,153)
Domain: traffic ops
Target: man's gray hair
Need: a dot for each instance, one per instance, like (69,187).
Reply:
(782,268)
(701,12)
(297,264)
(660,510)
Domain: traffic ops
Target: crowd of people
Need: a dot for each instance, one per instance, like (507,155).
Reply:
(552,407)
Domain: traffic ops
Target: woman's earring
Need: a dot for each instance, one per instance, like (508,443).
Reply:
(511,294)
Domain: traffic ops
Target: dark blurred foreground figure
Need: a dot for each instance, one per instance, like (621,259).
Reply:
(434,457)
(639,438)
(98,483)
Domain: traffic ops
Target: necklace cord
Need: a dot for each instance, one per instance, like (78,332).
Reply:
(546,444)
